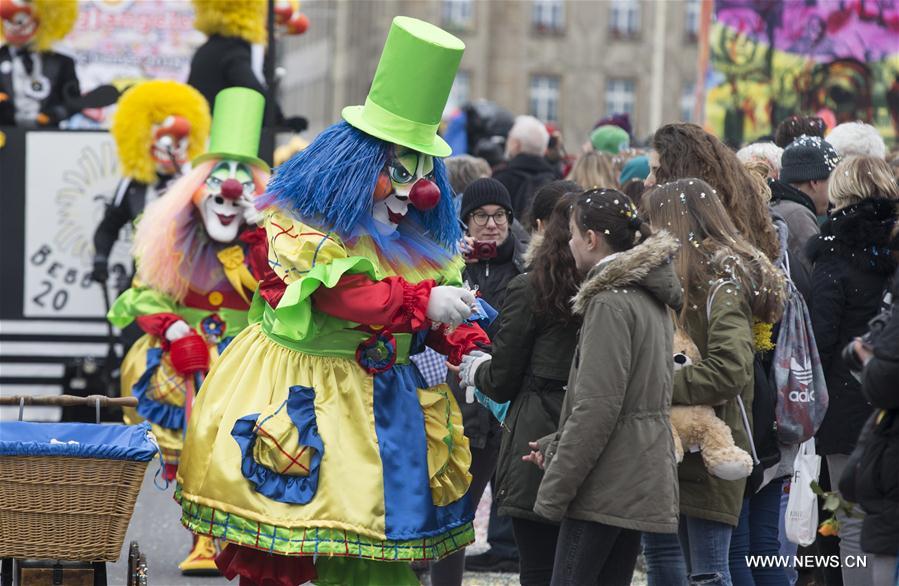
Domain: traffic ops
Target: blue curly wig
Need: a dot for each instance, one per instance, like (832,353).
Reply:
(331,184)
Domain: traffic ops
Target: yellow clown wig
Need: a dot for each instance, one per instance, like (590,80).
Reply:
(232,18)
(149,103)
(56,19)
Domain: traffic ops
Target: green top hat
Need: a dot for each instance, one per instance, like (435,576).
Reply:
(236,127)
(410,87)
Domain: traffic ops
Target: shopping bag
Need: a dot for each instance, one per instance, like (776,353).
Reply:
(801,522)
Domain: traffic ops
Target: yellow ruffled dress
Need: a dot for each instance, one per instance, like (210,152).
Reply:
(297,450)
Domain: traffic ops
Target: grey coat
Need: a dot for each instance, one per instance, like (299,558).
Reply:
(612,460)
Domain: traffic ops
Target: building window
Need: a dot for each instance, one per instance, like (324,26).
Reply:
(625,18)
(458,14)
(620,97)
(548,15)
(687,100)
(544,97)
(460,92)
(691,20)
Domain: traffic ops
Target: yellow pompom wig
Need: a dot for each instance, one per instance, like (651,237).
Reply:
(232,18)
(57,17)
(149,103)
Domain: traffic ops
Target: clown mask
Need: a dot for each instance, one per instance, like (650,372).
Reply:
(229,193)
(170,143)
(408,179)
(19,21)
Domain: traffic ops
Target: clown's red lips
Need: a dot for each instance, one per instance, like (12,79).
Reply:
(226,219)
(394,217)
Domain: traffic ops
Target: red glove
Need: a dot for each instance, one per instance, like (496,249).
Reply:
(459,342)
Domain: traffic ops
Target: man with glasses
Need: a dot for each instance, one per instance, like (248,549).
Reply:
(494,257)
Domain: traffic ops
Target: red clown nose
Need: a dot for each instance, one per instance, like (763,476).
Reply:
(231,189)
(424,195)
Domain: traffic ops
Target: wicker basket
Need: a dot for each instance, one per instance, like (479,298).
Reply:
(63,508)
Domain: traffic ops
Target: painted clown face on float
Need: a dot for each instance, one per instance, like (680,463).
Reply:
(171,142)
(408,179)
(19,21)
(225,200)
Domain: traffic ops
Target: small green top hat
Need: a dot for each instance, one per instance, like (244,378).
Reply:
(236,127)
(410,88)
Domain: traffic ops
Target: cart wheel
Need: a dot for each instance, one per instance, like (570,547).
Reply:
(142,571)
(134,557)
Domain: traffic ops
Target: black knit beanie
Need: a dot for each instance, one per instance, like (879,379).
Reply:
(484,192)
(808,158)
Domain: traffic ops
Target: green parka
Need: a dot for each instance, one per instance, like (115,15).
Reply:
(612,460)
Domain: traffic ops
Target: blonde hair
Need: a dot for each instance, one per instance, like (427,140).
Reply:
(859,178)
(594,169)
(713,248)
(758,177)
(149,103)
(232,18)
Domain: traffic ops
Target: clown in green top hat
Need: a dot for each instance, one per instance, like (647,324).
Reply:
(389,170)
(363,248)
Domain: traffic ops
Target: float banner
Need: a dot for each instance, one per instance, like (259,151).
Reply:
(838,59)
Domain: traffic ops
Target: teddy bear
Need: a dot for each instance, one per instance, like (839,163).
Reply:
(698,426)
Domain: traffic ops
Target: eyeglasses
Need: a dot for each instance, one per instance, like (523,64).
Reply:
(499,218)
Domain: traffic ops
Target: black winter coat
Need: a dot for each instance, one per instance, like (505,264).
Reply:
(878,474)
(522,177)
(852,267)
(532,355)
(491,277)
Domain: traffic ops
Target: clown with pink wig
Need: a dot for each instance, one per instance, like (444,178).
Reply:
(199,258)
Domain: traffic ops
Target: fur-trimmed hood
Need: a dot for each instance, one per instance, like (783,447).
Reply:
(647,265)
(859,234)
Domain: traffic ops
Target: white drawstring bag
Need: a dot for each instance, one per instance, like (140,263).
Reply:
(801,522)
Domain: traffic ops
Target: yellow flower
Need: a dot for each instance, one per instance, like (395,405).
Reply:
(761,334)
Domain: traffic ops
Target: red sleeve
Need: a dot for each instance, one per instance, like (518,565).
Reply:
(392,302)
(459,342)
(157,323)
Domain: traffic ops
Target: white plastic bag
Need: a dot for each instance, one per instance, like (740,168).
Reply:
(801,522)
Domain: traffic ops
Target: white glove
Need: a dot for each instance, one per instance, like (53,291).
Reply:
(250,214)
(450,305)
(469,367)
(177,330)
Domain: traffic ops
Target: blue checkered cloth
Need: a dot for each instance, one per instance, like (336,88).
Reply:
(431,365)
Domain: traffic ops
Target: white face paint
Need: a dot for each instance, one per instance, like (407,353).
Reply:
(406,167)
(221,208)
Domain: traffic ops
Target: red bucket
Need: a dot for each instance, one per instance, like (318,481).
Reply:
(190,354)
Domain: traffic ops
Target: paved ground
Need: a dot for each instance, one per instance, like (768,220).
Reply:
(156,526)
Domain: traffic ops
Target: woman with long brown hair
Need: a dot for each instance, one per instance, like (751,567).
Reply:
(529,367)
(686,150)
(727,282)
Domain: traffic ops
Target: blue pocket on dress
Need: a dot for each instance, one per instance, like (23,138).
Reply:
(281,451)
